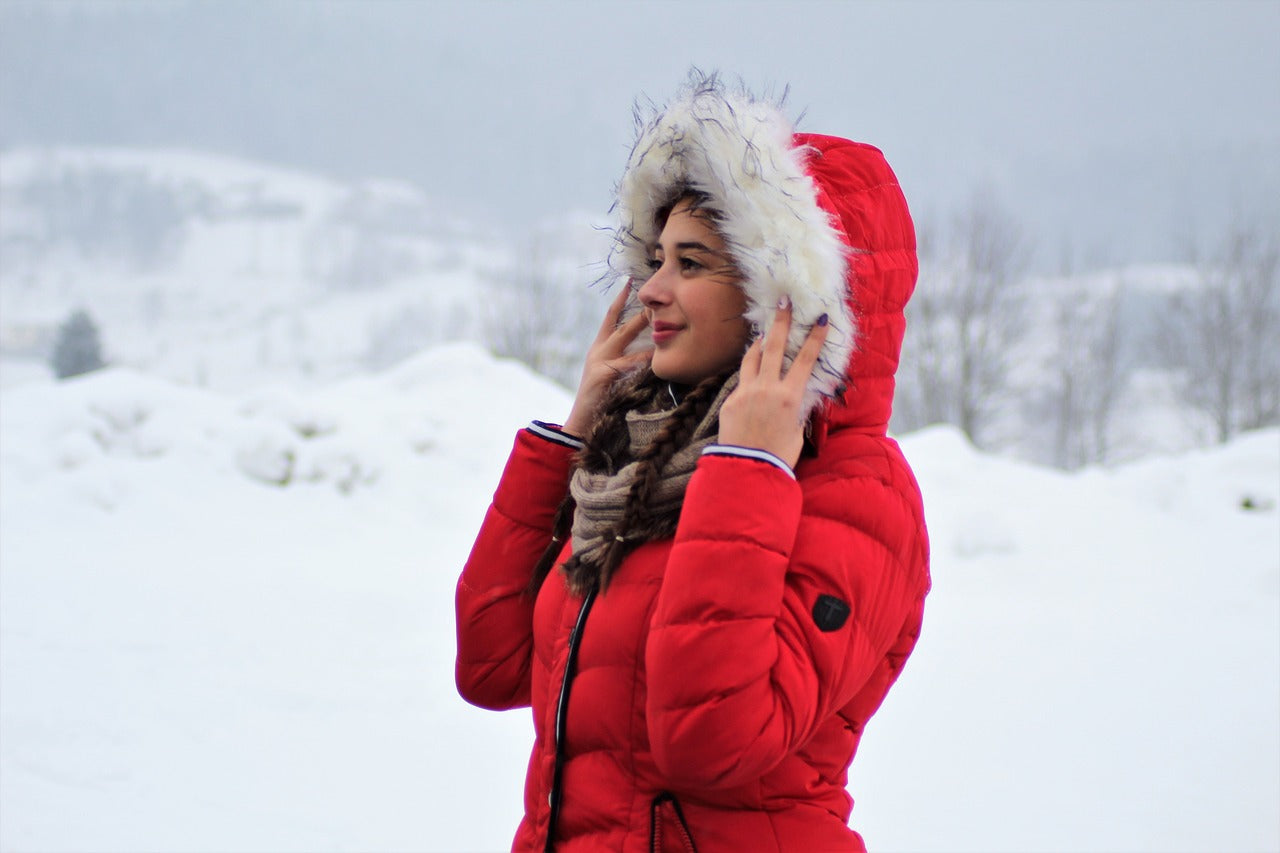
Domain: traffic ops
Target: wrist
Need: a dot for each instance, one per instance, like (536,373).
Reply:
(575,425)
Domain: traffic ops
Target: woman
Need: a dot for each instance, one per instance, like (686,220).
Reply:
(706,580)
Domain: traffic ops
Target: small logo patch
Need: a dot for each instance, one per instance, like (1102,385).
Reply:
(830,612)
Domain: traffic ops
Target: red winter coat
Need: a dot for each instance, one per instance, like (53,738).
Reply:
(724,678)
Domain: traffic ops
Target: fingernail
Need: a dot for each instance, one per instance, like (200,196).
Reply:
(784,302)
(822,321)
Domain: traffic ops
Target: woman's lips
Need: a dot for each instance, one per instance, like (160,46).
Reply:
(664,332)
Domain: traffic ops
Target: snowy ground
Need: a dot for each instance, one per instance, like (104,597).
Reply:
(226,625)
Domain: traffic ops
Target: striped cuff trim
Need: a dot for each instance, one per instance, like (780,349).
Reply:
(551,433)
(747,453)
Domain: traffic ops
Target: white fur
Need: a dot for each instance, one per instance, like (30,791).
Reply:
(738,150)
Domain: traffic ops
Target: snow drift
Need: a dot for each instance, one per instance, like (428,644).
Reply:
(226,624)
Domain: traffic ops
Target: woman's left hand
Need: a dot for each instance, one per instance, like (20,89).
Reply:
(764,411)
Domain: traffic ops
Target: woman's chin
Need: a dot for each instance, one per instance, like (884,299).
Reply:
(681,372)
(677,373)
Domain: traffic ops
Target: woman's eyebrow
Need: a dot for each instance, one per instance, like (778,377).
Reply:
(693,245)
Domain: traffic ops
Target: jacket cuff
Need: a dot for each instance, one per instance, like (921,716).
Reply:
(553,433)
(748,453)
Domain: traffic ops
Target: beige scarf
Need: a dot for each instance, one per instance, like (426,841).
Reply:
(601,498)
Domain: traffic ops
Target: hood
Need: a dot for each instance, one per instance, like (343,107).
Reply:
(819,219)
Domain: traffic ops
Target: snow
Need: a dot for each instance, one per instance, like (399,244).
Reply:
(229,271)
(247,271)
(226,623)
(1100,666)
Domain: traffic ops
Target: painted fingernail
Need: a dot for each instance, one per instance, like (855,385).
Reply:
(784,302)
(822,321)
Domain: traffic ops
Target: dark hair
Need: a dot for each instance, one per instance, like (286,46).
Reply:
(699,203)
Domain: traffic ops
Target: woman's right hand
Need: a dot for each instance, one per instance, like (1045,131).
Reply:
(606,358)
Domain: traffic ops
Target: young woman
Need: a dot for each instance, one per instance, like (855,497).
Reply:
(706,580)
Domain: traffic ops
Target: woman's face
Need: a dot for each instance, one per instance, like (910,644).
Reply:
(694,301)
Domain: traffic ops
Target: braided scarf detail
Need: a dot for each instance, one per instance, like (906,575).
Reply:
(601,497)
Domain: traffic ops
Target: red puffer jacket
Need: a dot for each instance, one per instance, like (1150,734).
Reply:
(717,690)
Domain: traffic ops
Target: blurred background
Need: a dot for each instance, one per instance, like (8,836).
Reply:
(237,175)
(263,265)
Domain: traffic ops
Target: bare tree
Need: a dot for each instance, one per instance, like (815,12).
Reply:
(924,396)
(1108,371)
(1087,371)
(543,315)
(965,320)
(1222,337)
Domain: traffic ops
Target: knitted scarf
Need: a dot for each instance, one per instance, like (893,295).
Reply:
(601,498)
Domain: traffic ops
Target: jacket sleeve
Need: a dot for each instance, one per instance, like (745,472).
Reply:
(493,604)
(744,656)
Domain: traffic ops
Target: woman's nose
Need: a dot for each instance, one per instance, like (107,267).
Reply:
(656,290)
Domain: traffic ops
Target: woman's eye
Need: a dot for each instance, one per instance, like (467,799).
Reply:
(654,264)
(689,264)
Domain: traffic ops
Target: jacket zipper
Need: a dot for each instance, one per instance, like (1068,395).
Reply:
(657,819)
(562,709)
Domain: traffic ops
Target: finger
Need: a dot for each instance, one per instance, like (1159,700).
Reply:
(750,368)
(611,317)
(807,358)
(627,332)
(775,340)
(631,359)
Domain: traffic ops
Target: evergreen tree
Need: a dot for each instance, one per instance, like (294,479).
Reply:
(77,349)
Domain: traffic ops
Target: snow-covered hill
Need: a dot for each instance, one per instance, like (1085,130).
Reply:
(226,624)
(234,275)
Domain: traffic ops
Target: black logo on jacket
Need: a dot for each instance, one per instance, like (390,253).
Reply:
(830,612)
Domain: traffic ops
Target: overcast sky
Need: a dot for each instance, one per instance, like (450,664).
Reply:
(1116,126)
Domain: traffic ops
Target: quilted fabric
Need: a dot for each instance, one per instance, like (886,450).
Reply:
(724,679)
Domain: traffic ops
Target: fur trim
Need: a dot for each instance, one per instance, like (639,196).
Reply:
(739,150)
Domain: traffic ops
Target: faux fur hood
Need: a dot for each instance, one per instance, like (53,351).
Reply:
(786,216)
